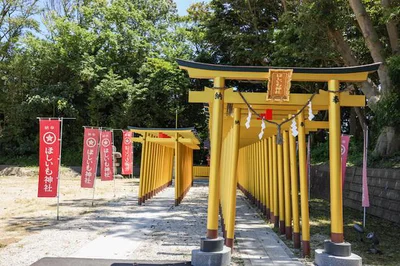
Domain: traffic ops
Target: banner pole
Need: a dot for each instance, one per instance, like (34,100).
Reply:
(97,162)
(114,186)
(113,158)
(94,186)
(59,167)
(366,162)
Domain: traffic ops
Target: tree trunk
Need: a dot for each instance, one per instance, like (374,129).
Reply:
(388,142)
(367,87)
(383,146)
(373,43)
(284,5)
(391,28)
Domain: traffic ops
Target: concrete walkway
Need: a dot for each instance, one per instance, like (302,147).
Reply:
(158,233)
(257,244)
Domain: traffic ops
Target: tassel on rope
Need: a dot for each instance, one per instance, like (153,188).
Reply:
(310,113)
(279,139)
(262,129)
(248,119)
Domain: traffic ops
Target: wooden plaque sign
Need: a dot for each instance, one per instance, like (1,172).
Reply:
(279,84)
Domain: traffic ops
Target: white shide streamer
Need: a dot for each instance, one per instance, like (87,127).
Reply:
(310,114)
(248,119)
(294,128)
(262,129)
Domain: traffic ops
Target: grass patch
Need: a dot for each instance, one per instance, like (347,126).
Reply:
(387,232)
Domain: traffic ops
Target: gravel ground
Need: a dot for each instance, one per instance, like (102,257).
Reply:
(155,231)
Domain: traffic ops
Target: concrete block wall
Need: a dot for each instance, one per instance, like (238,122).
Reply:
(383,187)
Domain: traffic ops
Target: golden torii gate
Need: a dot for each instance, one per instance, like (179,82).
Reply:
(159,146)
(227,135)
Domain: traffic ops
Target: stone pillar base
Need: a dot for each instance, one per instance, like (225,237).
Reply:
(324,259)
(211,245)
(218,258)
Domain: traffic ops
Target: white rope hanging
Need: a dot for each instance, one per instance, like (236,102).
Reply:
(310,113)
(248,119)
(262,129)
(295,132)
(294,128)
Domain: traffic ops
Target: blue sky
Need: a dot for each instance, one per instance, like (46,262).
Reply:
(184,4)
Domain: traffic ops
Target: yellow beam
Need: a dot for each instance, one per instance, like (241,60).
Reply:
(263,107)
(296,99)
(242,75)
(205,96)
(188,141)
(137,139)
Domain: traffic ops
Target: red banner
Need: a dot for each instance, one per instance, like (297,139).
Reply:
(106,156)
(89,158)
(343,150)
(127,153)
(49,157)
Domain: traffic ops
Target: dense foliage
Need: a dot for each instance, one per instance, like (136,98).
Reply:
(107,64)
(112,63)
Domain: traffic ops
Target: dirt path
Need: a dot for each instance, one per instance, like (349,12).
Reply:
(116,227)
(23,213)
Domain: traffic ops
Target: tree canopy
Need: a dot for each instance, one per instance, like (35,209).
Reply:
(112,63)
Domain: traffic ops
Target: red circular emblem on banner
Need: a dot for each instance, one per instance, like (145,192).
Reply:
(91,142)
(342,149)
(49,138)
(105,142)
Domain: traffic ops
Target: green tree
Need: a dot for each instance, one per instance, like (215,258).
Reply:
(312,33)
(15,21)
(108,64)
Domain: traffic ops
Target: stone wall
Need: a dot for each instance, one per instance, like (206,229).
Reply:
(383,186)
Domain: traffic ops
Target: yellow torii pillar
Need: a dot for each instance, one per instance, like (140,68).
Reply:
(233,179)
(295,190)
(281,197)
(335,163)
(286,158)
(305,216)
(216,141)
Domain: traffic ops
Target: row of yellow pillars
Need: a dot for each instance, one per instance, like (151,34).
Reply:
(157,164)
(183,170)
(155,169)
(228,176)
(269,175)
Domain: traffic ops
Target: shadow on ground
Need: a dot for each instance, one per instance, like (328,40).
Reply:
(190,215)
(103,262)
